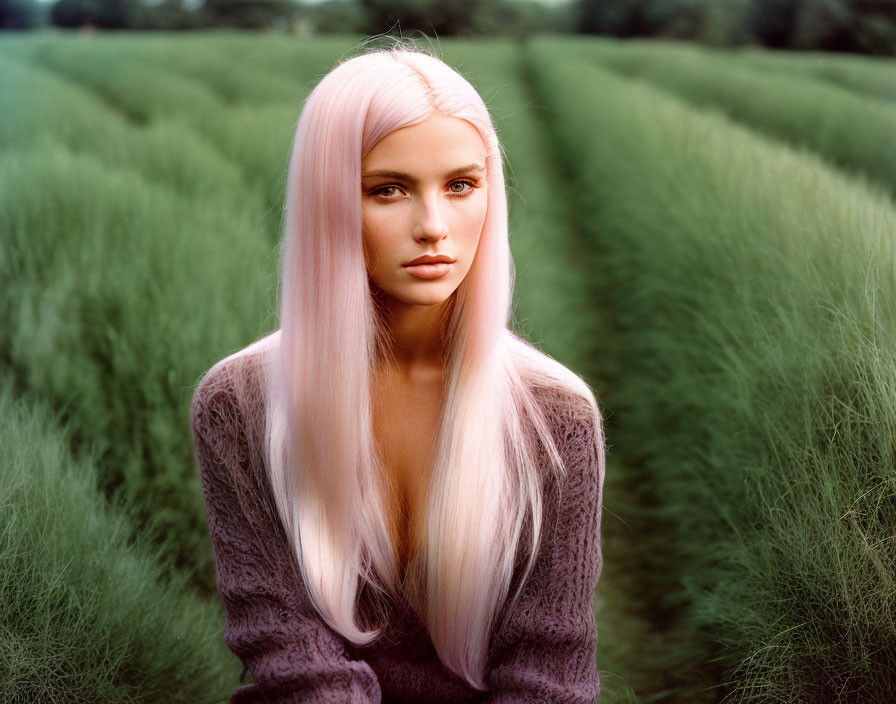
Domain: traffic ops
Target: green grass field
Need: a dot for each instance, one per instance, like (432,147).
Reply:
(706,236)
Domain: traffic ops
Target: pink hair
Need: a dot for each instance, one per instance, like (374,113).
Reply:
(326,475)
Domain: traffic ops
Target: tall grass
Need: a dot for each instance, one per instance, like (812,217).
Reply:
(88,615)
(303,63)
(119,293)
(138,249)
(109,70)
(139,240)
(873,76)
(203,60)
(242,113)
(38,106)
(850,131)
(752,351)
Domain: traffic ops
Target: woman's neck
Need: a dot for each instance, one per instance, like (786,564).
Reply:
(416,340)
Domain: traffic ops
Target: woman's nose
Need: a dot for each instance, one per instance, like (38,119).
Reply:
(432,222)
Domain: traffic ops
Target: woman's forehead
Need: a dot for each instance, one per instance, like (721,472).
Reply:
(438,143)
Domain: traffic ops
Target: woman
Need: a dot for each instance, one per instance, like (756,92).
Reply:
(404,497)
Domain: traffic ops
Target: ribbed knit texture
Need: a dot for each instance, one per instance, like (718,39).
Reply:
(544,652)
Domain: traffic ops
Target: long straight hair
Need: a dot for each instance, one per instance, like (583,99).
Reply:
(328,480)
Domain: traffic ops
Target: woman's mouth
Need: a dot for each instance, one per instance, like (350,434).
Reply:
(429,271)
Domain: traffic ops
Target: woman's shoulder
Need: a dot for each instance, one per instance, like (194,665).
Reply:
(566,404)
(564,396)
(577,431)
(228,420)
(230,393)
(569,407)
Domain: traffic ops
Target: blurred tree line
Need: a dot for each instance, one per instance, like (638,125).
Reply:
(864,26)
(515,17)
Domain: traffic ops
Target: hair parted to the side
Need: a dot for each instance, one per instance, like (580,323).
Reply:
(326,475)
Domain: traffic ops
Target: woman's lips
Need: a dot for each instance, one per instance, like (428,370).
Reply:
(429,271)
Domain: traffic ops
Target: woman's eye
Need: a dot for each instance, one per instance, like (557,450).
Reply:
(383,191)
(455,188)
(461,183)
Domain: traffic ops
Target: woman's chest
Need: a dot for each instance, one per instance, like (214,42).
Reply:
(405,424)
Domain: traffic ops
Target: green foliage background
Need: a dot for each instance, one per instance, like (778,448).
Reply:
(706,235)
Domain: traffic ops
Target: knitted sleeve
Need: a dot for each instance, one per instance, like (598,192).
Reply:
(546,650)
(270,625)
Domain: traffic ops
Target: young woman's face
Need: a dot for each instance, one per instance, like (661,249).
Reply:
(424,192)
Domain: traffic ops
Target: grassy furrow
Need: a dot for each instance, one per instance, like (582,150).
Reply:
(303,64)
(159,215)
(142,91)
(38,106)
(853,132)
(751,353)
(119,293)
(872,76)
(252,134)
(89,616)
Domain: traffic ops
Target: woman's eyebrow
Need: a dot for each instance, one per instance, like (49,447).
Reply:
(470,168)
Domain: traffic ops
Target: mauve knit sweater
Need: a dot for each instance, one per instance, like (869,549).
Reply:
(544,651)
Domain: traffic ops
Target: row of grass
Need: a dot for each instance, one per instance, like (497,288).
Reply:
(154,88)
(873,76)
(119,293)
(751,339)
(851,131)
(135,255)
(170,193)
(41,106)
(89,615)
